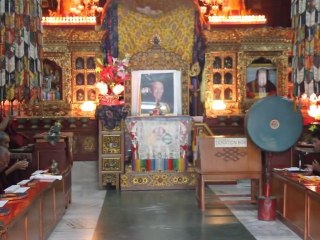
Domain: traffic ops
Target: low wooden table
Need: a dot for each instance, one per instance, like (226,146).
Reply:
(298,203)
(35,216)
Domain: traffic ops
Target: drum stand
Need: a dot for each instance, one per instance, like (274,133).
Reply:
(267,203)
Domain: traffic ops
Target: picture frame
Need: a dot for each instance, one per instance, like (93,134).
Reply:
(51,85)
(279,60)
(261,80)
(80,97)
(142,84)
(91,95)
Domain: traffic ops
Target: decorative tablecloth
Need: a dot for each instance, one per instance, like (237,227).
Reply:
(160,142)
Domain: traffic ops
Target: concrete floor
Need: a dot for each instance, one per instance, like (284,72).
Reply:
(153,215)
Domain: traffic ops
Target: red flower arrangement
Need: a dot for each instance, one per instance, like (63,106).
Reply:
(112,78)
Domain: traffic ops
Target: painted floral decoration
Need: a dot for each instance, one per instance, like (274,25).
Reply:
(112,78)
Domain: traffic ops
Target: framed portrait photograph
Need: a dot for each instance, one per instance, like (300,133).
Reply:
(156,88)
(261,80)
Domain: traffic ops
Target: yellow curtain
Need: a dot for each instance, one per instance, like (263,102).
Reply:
(175,29)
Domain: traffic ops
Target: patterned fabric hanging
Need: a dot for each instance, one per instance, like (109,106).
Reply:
(20,30)
(306,45)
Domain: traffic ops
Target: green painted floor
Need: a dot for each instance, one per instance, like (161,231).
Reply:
(165,215)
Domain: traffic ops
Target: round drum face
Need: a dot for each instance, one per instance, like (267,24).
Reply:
(274,124)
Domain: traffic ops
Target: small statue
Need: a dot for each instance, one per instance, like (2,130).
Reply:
(157,110)
(54,168)
(54,133)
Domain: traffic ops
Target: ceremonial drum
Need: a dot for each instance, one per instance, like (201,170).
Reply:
(274,124)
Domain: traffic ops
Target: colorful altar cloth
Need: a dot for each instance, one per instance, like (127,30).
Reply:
(160,143)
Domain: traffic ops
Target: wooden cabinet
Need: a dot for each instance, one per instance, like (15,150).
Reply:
(253,51)
(111,155)
(298,203)
(84,76)
(221,78)
(84,142)
(46,152)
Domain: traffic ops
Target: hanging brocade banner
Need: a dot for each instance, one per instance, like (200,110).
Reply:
(306,46)
(19,48)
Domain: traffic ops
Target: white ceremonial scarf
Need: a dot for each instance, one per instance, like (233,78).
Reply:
(300,75)
(310,18)
(26,36)
(38,63)
(302,6)
(317,4)
(2,77)
(19,49)
(308,88)
(316,74)
(32,51)
(2,6)
(10,64)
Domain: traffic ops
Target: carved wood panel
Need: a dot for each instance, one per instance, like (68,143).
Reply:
(250,44)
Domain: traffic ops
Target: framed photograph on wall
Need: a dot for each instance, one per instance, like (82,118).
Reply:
(151,88)
(261,80)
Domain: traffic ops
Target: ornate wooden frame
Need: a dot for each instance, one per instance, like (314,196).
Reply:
(231,104)
(250,44)
(59,45)
(157,58)
(55,107)
(277,58)
(62,59)
(75,71)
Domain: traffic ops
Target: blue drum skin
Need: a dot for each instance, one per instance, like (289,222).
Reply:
(274,124)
